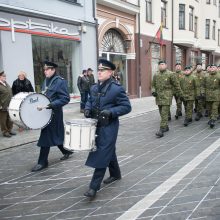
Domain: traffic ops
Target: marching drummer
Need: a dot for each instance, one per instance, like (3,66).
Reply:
(55,88)
(107,102)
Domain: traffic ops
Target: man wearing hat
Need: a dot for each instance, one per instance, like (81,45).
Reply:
(188,86)
(55,88)
(199,96)
(163,85)
(179,74)
(211,89)
(107,102)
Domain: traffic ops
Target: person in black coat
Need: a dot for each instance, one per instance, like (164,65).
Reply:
(21,84)
(107,102)
(83,84)
(55,88)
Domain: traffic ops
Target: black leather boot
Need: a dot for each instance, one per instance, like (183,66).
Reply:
(91,193)
(160,133)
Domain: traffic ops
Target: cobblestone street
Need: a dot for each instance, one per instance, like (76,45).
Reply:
(175,177)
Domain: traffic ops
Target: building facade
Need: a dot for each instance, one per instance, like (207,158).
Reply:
(190,34)
(34,31)
(117,28)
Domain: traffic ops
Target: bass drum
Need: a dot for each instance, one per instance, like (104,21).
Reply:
(23,110)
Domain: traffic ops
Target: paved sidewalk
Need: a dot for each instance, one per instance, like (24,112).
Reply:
(71,111)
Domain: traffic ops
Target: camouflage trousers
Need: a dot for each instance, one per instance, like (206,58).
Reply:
(178,105)
(212,108)
(164,112)
(188,105)
(199,106)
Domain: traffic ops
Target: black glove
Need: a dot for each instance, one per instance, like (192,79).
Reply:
(49,106)
(105,117)
(87,113)
(182,99)
(154,94)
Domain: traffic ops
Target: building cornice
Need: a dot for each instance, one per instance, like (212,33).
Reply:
(120,5)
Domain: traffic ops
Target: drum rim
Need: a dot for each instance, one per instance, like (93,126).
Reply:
(21,117)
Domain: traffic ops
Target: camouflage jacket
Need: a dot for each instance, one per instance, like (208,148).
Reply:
(199,79)
(164,83)
(188,86)
(211,87)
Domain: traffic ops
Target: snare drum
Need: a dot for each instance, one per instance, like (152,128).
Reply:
(23,110)
(80,135)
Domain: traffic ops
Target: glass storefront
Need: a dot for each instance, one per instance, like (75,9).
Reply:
(65,53)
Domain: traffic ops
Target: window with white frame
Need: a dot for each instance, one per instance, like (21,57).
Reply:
(149,10)
(207,28)
(213,30)
(181,16)
(190,18)
(164,13)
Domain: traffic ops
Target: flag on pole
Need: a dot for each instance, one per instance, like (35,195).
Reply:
(159,35)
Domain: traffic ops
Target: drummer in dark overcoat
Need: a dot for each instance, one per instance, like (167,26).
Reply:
(107,102)
(55,88)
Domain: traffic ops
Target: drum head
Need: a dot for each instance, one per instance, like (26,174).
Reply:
(29,114)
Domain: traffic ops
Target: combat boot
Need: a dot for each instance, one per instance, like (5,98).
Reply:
(212,123)
(180,113)
(198,116)
(159,134)
(187,121)
(176,117)
(206,113)
(165,129)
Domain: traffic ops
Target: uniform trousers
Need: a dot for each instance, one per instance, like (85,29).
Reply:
(178,105)
(212,108)
(99,174)
(5,122)
(44,152)
(199,105)
(164,112)
(188,108)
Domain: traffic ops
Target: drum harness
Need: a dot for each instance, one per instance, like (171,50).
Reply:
(102,89)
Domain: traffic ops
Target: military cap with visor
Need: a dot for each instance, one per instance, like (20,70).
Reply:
(105,64)
(161,62)
(48,64)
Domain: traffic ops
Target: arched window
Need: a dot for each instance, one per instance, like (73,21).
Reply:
(113,42)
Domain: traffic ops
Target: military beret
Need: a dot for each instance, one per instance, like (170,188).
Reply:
(89,69)
(105,64)
(187,68)
(48,64)
(218,65)
(199,64)
(213,65)
(178,63)
(162,61)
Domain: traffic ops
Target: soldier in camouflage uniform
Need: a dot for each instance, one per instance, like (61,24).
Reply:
(163,84)
(207,74)
(178,74)
(188,87)
(199,96)
(211,90)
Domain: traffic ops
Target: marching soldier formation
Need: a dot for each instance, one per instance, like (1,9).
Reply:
(194,88)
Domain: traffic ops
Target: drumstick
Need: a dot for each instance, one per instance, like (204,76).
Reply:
(39,108)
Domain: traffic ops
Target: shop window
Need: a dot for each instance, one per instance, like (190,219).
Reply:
(65,53)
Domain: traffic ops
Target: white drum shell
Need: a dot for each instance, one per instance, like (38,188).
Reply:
(23,110)
(80,135)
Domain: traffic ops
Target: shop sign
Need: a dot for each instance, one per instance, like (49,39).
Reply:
(30,27)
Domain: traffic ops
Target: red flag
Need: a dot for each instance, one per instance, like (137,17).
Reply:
(159,35)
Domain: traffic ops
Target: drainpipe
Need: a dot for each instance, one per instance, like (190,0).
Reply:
(96,26)
(139,54)
(172,37)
